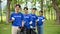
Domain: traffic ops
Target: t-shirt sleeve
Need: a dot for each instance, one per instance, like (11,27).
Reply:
(11,16)
(22,16)
(36,17)
(29,17)
(44,17)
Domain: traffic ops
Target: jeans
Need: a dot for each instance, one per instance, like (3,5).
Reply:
(27,30)
(40,29)
(32,31)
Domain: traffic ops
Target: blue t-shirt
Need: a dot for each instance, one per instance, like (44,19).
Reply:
(33,19)
(27,20)
(18,17)
(40,18)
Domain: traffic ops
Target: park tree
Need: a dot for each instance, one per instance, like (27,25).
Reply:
(42,4)
(8,11)
(10,5)
(1,10)
(55,6)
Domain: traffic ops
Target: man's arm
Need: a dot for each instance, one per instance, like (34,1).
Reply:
(37,20)
(43,19)
(23,23)
(11,18)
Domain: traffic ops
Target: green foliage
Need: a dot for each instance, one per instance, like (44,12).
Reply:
(58,2)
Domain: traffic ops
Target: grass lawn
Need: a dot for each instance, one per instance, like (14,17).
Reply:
(49,28)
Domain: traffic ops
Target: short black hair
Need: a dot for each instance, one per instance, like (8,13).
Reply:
(25,8)
(41,11)
(34,9)
(18,5)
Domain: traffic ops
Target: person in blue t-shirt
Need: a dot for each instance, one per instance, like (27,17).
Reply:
(33,19)
(17,19)
(40,20)
(26,20)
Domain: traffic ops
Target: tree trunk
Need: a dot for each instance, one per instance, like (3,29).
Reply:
(18,1)
(26,3)
(1,10)
(55,6)
(8,11)
(42,5)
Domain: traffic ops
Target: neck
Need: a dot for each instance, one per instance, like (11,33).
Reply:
(26,13)
(33,13)
(16,12)
(40,15)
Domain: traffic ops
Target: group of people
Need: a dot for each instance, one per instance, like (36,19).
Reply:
(26,21)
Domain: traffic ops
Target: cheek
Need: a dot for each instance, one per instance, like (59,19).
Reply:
(34,11)
(26,11)
(17,8)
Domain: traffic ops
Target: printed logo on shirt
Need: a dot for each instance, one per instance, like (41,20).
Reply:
(26,17)
(40,18)
(17,16)
(33,16)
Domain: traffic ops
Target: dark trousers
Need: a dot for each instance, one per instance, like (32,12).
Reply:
(22,31)
(27,30)
(32,31)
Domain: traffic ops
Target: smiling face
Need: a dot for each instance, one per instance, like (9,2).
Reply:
(26,11)
(33,11)
(17,8)
(40,13)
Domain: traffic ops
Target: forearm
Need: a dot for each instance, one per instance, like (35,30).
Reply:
(43,20)
(22,23)
(10,20)
(37,20)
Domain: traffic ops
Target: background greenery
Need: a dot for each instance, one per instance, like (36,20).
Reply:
(49,26)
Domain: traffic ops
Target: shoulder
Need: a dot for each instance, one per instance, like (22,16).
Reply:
(21,13)
(43,16)
(37,16)
(29,14)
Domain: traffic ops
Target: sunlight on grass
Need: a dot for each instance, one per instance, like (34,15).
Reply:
(3,18)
